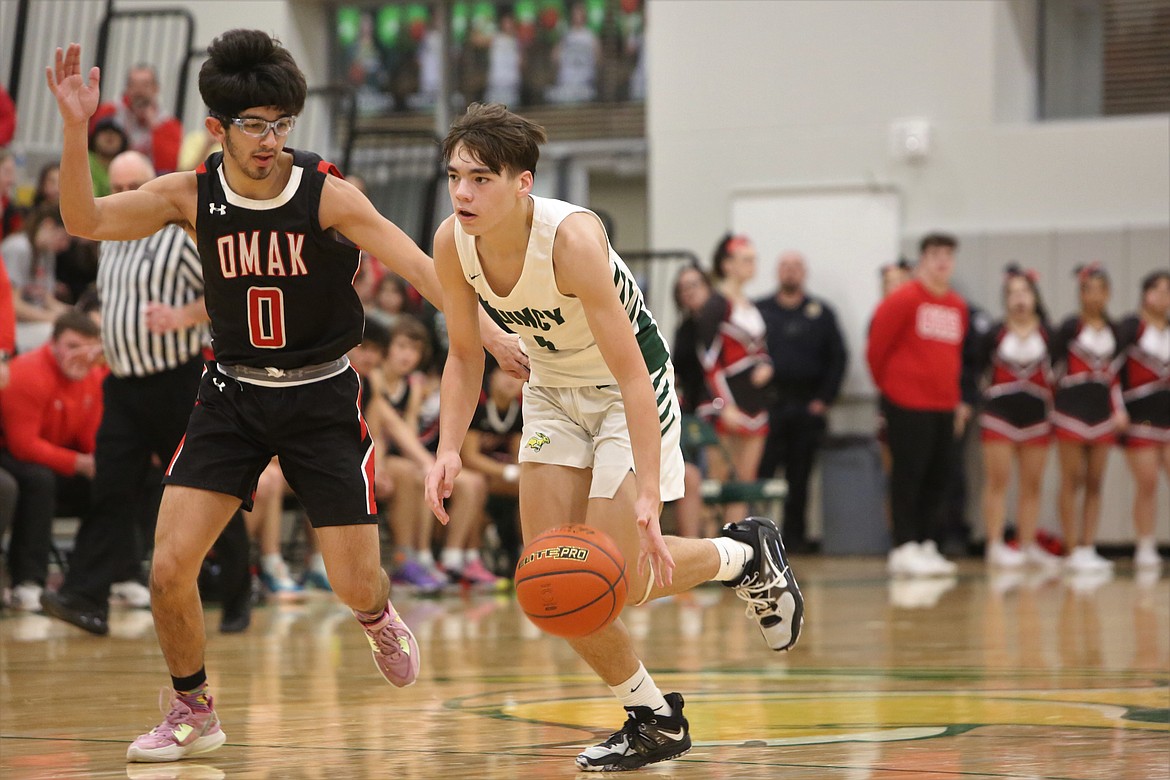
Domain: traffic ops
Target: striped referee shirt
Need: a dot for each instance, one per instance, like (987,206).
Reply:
(161,268)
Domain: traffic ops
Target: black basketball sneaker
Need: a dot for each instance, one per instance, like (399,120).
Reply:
(767,585)
(645,738)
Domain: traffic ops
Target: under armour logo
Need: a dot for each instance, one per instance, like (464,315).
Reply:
(218,384)
(214,209)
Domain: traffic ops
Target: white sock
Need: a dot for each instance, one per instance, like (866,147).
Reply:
(1147,543)
(451,559)
(471,555)
(640,691)
(317,563)
(733,558)
(426,558)
(272,563)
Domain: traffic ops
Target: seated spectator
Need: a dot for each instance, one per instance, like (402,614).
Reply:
(390,300)
(31,258)
(49,416)
(399,459)
(365,282)
(459,558)
(265,523)
(492,448)
(11,218)
(48,185)
(77,265)
(151,130)
(107,140)
(396,415)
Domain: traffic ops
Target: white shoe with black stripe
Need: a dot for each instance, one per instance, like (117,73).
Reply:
(773,598)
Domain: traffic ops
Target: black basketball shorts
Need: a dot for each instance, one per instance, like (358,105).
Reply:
(317,430)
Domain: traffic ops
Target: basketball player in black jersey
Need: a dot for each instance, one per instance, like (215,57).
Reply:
(278,232)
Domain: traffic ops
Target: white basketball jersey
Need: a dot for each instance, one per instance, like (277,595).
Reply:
(560,344)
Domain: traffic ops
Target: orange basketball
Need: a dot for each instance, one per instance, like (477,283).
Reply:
(571,581)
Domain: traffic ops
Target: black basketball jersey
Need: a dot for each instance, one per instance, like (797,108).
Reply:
(279,289)
(497,426)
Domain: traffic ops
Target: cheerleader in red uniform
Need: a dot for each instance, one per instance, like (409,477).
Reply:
(1014,421)
(1145,379)
(1088,411)
(734,353)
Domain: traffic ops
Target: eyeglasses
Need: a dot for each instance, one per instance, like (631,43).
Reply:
(258,128)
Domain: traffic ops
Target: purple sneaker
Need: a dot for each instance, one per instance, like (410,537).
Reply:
(414,575)
(183,733)
(395,651)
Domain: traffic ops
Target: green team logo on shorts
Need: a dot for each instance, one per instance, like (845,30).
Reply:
(537,441)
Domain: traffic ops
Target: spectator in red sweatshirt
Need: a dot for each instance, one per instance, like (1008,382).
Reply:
(150,129)
(49,416)
(915,357)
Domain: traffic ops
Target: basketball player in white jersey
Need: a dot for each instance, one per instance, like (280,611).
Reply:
(601,427)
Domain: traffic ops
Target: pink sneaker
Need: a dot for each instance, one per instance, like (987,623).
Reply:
(476,574)
(395,651)
(182,734)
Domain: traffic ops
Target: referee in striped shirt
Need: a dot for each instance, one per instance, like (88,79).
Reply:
(154,326)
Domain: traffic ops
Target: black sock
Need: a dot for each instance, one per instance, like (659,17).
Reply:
(187,684)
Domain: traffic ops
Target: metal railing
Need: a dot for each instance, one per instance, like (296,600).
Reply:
(30,31)
(160,37)
(402,172)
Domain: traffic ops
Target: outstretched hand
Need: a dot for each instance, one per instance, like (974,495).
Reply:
(76,99)
(653,546)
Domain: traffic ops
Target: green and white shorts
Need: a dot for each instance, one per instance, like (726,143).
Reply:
(585,427)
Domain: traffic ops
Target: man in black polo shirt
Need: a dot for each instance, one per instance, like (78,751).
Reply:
(808,356)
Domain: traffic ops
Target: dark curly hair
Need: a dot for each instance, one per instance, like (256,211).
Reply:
(248,68)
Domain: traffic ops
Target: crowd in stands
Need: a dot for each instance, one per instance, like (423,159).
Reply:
(81,342)
(515,53)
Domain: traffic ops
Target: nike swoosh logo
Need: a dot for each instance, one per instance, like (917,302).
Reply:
(675,735)
(475,276)
(636,687)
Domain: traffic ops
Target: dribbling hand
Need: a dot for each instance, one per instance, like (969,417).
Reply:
(653,547)
(440,482)
(76,99)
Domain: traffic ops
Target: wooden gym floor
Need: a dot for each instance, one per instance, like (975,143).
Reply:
(973,677)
